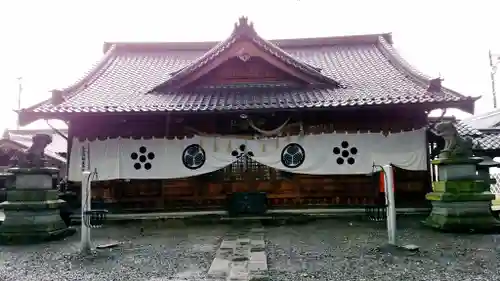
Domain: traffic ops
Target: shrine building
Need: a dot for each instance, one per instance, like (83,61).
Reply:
(301,122)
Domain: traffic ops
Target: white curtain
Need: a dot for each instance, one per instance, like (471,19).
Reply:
(325,154)
(150,158)
(329,154)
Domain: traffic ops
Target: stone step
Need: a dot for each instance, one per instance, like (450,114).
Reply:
(241,256)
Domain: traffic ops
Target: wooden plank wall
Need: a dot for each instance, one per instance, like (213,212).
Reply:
(295,191)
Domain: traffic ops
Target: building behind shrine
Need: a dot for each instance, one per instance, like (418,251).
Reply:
(184,126)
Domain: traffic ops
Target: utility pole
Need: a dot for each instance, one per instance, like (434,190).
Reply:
(494,60)
(20,91)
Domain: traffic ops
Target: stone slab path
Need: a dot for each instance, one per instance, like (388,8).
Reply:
(241,256)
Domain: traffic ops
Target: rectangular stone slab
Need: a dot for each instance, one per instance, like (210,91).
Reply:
(231,244)
(243,241)
(258,261)
(257,245)
(238,271)
(219,268)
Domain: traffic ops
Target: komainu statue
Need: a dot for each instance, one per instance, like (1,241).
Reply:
(455,146)
(33,157)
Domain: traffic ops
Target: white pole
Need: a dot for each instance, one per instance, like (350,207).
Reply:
(391,206)
(85,245)
(20,91)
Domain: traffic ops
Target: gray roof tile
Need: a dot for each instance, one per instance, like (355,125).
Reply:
(368,66)
(482,140)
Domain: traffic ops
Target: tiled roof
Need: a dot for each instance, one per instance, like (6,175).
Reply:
(242,31)
(465,129)
(487,141)
(483,140)
(368,66)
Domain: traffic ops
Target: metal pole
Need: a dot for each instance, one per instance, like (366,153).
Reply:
(85,245)
(492,78)
(20,91)
(391,206)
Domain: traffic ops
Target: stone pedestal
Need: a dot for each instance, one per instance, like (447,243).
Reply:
(32,208)
(461,200)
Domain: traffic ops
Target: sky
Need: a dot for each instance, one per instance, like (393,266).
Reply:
(52,43)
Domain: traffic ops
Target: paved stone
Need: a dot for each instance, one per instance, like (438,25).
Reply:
(257,261)
(257,245)
(243,241)
(241,256)
(219,268)
(258,276)
(257,230)
(228,244)
(239,271)
(224,253)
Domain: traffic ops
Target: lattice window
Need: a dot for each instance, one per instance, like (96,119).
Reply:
(495,188)
(246,166)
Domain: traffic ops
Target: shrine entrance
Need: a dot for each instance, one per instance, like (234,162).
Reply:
(247,183)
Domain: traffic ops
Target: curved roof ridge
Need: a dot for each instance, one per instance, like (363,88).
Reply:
(389,51)
(205,58)
(399,62)
(280,42)
(93,73)
(245,29)
(295,62)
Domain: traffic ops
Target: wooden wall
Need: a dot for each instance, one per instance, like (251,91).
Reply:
(290,191)
(284,190)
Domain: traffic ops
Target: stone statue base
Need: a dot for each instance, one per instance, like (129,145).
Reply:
(466,216)
(32,208)
(459,200)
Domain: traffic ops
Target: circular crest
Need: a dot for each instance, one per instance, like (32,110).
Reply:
(193,156)
(293,155)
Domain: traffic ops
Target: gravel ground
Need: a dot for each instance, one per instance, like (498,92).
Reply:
(334,249)
(161,252)
(350,250)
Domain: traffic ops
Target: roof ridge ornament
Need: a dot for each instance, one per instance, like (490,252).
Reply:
(435,85)
(57,97)
(243,26)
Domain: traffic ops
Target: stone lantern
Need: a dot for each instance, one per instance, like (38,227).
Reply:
(483,169)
